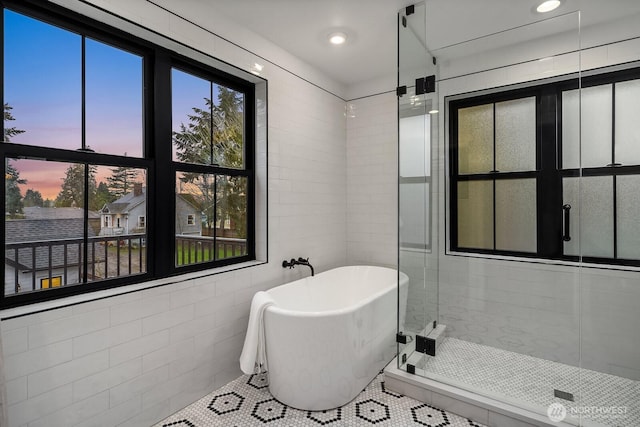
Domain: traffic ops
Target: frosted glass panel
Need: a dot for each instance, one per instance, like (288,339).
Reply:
(475,139)
(414,215)
(628,205)
(475,214)
(596,109)
(516,215)
(594,212)
(516,135)
(415,146)
(627,126)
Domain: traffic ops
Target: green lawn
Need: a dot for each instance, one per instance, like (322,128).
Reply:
(195,255)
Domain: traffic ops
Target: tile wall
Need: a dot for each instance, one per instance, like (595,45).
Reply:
(133,359)
(372,180)
(538,309)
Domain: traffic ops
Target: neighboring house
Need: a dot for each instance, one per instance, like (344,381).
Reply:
(45,246)
(188,217)
(128,215)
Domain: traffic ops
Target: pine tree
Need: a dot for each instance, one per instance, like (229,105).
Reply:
(72,192)
(13,197)
(195,143)
(33,198)
(12,131)
(103,195)
(121,181)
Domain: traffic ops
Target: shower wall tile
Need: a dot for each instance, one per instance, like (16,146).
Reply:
(134,358)
(556,312)
(372,170)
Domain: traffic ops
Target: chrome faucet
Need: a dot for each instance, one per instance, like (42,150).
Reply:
(299,261)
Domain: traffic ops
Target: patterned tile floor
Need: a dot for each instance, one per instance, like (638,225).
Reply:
(517,377)
(246,401)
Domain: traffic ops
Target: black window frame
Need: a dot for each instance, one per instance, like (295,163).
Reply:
(548,173)
(157,149)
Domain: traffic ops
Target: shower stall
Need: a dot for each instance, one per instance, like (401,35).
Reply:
(519,212)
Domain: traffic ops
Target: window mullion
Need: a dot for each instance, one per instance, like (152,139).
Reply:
(161,229)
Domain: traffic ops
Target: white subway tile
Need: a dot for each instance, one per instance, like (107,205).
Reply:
(16,390)
(139,309)
(166,355)
(137,386)
(68,327)
(37,359)
(165,391)
(15,341)
(65,373)
(149,416)
(39,406)
(45,316)
(106,338)
(167,319)
(115,415)
(106,379)
(138,347)
(76,413)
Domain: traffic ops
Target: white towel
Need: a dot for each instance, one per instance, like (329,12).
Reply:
(254,357)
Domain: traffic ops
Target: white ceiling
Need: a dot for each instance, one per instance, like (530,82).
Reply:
(301,26)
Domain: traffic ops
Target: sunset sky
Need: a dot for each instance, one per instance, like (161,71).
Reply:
(42,82)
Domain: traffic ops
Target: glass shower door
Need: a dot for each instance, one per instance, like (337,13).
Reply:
(417,233)
(606,199)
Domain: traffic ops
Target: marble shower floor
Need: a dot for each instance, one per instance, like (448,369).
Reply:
(513,376)
(246,401)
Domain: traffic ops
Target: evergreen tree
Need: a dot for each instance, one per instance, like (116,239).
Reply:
(121,181)
(214,135)
(72,192)
(11,131)
(13,197)
(33,198)
(103,195)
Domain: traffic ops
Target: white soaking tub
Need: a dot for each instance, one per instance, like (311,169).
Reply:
(328,336)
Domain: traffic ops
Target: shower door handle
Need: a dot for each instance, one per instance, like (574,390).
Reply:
(566,211)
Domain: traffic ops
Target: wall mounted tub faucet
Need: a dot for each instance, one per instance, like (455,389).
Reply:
(299,261)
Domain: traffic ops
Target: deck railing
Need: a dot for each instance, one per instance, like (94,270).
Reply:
(60,262)
(107,256)
(196,249)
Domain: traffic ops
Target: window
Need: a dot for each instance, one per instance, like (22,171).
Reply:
(415,180)
(53,282)
(86,153)
(515,168)
(210,158)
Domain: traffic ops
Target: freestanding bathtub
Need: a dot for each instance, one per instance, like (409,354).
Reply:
(328,336)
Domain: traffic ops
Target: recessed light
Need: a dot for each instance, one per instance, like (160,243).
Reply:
(337,38)
(434,111)
(548,6)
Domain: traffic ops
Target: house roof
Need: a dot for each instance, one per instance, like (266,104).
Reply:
(189,198)
(125,203)
(66,232)
(36,212)
(37,230)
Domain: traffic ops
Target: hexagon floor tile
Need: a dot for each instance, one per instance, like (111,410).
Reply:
(246,401)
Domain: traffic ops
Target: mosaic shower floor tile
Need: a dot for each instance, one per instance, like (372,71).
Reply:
(515,377)
(246,402)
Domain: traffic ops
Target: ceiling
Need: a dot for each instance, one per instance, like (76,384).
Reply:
(301,26)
